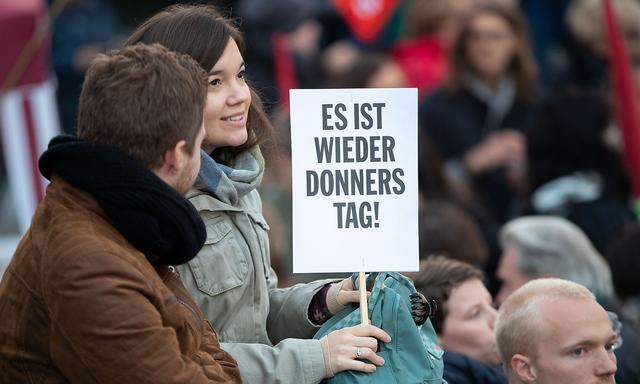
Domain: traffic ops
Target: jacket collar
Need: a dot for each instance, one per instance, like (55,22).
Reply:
(202,201)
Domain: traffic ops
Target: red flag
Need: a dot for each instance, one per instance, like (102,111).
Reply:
(626,99)
(285,69)
(366,18)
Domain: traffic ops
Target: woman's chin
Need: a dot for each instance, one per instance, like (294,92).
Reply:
(238,140)
(229,139)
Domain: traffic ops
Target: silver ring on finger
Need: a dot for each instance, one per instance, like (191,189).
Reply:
(358,353)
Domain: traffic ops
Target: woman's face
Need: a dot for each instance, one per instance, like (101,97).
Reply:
(468,326)
(490,45)
(228,100)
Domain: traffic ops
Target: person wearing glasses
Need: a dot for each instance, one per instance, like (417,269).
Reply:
(476,119)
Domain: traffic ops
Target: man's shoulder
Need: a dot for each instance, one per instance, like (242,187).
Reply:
(76,254)
(70,227)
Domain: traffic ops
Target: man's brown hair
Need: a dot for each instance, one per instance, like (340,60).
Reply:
(437,277)
(142,99)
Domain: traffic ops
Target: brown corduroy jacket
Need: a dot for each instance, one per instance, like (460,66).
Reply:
(79,304)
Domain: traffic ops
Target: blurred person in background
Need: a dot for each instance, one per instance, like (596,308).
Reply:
(575,168)
(554,331)
(476,118)
(552,43)
(265,328)
(464,320)
(442,225)
(590,51)
(422,54)
(337,58)
(83,29)
(548,246)
(370,70)
(278,28)
(437,186)
(624,259)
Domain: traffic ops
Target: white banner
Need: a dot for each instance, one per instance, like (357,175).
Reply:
(28,120)
(355,180)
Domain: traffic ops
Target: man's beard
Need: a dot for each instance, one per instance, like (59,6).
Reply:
(491,356)
(186,179)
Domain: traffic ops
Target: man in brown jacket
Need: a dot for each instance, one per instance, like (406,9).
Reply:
(90,296)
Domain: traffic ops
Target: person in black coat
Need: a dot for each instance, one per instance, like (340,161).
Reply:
(461,369)
(575,169)
(475,120)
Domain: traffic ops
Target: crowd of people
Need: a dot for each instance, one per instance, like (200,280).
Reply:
(161,251)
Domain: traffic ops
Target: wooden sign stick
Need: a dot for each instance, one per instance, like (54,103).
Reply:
(364,307)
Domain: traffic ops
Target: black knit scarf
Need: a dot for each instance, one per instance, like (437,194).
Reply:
(150,214)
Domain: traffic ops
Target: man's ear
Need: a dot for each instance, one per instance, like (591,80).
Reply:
(174,161)
(175,158)
(523,368)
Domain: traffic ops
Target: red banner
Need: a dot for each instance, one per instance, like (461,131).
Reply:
(285,69)
(625,95)
(366,18)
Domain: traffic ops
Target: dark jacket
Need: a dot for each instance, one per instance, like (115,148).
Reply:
(601,220)
(461,369)
(80,304)
(454,122)
(628,355)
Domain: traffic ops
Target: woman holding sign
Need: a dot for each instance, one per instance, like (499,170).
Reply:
(231,278)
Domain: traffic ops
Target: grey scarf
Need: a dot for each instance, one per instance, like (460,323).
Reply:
(499,102)
(229,183)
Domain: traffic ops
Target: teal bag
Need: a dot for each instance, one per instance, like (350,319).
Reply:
(413,356)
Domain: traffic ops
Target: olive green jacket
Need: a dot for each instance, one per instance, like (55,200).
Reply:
(232,281)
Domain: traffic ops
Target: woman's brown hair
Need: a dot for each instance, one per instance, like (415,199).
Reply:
(437,278)
(201,32)
(522,66)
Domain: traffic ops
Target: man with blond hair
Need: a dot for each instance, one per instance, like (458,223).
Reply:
(553,331)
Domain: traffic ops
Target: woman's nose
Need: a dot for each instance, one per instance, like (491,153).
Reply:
(239,93)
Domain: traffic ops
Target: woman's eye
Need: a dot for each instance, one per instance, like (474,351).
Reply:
(215,82)
(242,74)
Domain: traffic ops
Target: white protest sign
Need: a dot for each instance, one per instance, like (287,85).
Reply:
(355,180)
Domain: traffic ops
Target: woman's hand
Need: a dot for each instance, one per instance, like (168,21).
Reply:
(500,149)
(353,348)
(340,294)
